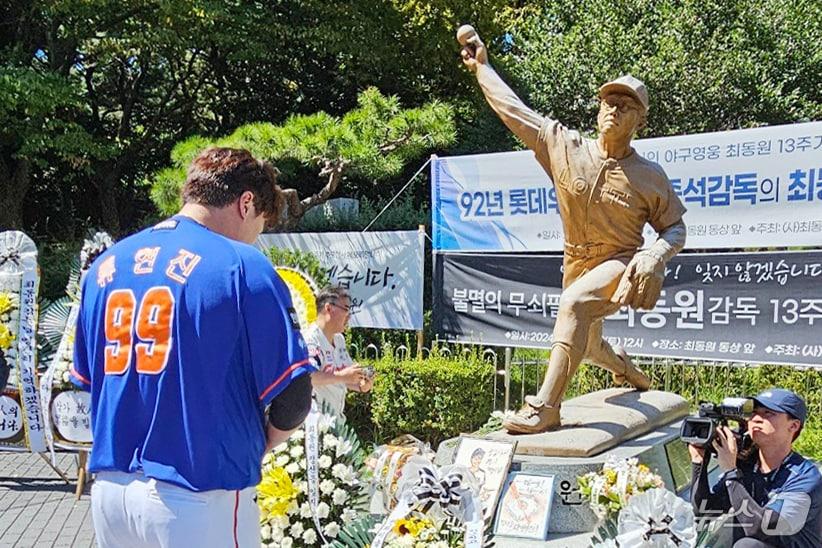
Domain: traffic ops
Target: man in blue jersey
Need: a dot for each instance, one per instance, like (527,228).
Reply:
(185,336)
(774,493)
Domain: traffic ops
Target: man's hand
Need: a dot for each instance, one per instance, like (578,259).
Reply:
(641,282)
(697,453)
(473,50)
(351,375)
(726,451)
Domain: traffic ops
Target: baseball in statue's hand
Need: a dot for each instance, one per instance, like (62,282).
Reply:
(473,50)
(465,33)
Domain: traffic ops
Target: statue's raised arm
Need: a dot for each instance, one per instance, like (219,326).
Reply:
(606,193)
(521,120)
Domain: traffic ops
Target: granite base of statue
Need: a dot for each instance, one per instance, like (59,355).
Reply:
(617,422)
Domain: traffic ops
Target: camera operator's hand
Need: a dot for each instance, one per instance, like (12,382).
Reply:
(726,451)
(697,453)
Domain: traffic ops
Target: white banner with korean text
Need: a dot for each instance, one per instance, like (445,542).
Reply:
(758,187)
(383,271)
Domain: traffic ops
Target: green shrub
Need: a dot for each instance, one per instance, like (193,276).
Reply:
(432,399)
(304,261)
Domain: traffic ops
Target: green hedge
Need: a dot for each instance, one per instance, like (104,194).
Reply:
(432,399)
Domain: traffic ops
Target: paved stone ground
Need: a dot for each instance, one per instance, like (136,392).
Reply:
(37,508)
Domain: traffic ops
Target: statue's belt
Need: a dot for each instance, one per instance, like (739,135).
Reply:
(591,251)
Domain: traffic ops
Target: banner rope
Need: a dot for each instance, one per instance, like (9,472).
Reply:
(391,201)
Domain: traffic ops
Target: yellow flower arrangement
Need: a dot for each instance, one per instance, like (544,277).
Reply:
(412,526)
(275,493)
(7,302)
(6,337)
(303,294)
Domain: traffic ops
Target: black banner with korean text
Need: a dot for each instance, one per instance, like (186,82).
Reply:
(742,307)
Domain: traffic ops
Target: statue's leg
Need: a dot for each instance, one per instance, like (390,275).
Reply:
(584,301)
(614,359)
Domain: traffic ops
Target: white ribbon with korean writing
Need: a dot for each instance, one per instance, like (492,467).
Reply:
(18,257)
(312,458)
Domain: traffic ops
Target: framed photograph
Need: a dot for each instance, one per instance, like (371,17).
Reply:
(489,461)
(525,506)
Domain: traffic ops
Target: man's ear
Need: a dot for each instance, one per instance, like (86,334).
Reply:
(244,202)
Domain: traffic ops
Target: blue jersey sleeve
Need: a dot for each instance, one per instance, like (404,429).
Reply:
(278,351)
(80,372)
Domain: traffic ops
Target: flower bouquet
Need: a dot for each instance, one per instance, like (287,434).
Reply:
(9,316)
(656,518)
(385,465)
(66,409)
(435,508)
(286,516)
(609,490)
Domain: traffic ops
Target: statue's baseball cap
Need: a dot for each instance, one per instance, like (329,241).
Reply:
(783,401)
(627,85)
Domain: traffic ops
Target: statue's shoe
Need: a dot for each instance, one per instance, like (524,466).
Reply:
(632,374)
(534,417)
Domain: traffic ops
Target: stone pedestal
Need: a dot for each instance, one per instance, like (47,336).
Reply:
(616,422)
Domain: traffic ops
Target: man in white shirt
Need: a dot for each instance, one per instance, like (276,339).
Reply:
(337,372)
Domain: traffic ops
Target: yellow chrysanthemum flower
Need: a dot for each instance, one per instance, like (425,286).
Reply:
(275,492)
(6,337)
(7,302)
(411,526)
(303,294)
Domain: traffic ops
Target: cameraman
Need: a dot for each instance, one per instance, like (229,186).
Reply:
(775,493)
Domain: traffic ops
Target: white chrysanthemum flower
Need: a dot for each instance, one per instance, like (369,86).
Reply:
(309,536)
(302,485)
(323,510)
(296,451)
(277,534)
(305,510)
(339,496)
(324,461)
(303,464)
(327,487)
(339,470)
(265,532)
(281,448)
(349,515)
(329,441)
(296,529)
(331,530)
(292,468)
(298,435)
(656,518)
(293,508)
(281,460)
(287,542)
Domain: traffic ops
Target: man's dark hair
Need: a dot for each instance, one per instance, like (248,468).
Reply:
(331,295)
(218,176)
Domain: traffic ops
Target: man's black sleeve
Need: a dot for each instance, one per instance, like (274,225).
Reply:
(291,406)
(704,501)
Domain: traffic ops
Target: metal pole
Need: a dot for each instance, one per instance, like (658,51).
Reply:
(507,382)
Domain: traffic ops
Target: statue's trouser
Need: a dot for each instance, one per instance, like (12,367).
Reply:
(584,303)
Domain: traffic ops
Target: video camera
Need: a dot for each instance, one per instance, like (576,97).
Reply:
(700,429)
